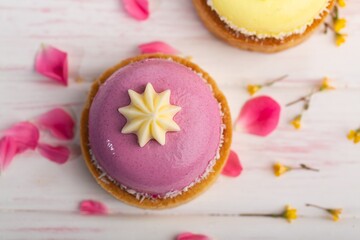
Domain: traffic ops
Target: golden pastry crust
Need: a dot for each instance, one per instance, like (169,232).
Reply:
(267,45)
(194,191)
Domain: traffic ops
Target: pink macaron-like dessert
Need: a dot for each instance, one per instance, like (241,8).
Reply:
(156,131)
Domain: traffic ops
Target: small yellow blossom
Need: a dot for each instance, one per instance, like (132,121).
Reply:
(340,39)
(341,3)
(354,135)
(252,89)
(339,24)
(296,122)
(290,213)
(335,213)
(351,135)
(325,84)
(280,169)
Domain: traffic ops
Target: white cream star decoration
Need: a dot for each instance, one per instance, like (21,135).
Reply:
(149,115)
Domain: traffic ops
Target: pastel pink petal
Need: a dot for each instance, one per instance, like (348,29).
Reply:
(233,166)
(157,47)
(8,150)
(25,134)
(138,9)
(91,207)
(191,236)
(57,154)
(259,116)
(58,122)
(52,62)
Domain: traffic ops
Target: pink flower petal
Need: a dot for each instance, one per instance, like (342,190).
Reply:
(259,116)
(191,236)
(58,154)
(91,207)
(52,62)
(233,166)
(157,47)
(8,148)
(138,9)
(25,135)
(58,122)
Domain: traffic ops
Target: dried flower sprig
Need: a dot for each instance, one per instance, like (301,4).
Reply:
(254,88)
(354,135)
(334,212)
(296,121)
(337,24)
(279,169)
(288,214)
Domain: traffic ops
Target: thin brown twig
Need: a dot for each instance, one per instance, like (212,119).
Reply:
(303,166)
(315,206)
(304,98)
(328,26)
(275,80)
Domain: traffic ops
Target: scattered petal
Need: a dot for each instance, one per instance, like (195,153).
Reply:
(157,47)
(259,116)
(52,62)
(8,149)
(25,135)
(233,166)
(138,9)
(91,207)
(58,122)
(57,154)
(191,236)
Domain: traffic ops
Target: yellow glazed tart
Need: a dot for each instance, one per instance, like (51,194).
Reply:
(263,25)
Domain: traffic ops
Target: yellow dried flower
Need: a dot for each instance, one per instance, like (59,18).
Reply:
(341,3)
(296,122)
(290,213)
(325,84)
(351,135)
(252,89)
(354,135)
(335,213)
(340,39)
(339,24)
(280,169)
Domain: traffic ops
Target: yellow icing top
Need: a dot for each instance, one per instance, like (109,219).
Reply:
(149,115)
(269,18)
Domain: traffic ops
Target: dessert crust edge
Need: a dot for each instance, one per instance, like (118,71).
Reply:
(267,45)
(194,191)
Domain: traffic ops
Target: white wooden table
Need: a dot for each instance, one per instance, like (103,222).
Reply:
(38,199)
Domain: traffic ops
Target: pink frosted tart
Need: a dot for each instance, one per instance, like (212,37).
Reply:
(155,131)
